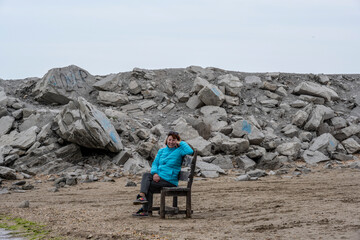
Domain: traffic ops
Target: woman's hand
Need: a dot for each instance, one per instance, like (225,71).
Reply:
(178,143)
(156,177)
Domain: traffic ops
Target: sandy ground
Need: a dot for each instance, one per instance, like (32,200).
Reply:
(323,204)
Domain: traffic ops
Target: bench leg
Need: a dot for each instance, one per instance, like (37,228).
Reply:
(162,205)
(188,204)
(175,201)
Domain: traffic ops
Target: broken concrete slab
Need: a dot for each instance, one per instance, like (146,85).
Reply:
(82,123)
(211,95)
(313,89)
(60,85)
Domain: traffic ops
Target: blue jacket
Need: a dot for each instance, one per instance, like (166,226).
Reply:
(167,163)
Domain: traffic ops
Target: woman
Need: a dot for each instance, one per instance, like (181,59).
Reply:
(164,171)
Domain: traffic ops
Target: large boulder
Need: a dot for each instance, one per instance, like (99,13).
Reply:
(243,128)
(325,143)
(319,114)
(316,90)
(214,116)
(211,95)
(81,123)
(186,131)
(351,145)
(109,83)
(60,85)
(289,149)
(203,146)
(6,123)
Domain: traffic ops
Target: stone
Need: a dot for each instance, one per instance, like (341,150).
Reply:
(290,131)
(347,132)
(351,146)
(235,146)
(214,116)
(186,130)
(272,95)
(233,101)
(7,173)
(316,90)
(338,123)
(24,204)
(342,156)
(313,157)
(167,87)
(3,98)
(269,161)
(256,152)
(112,99)
(147,104)
(325,143)
(209,174)
(211,95)
(204,166)
(245,163)
(168,108)
(253,80)
(244,127)
(136,165)
(17,114)
(232,84)
(224,162)
(256,173)
(109,83)
(144,149)
(130,183)
(323,79)
(199,83)
(134,88)
(22,140)
(158,130)
(194,102)
(182,97)
(300,118)
(203,146)
(289,149)
(61,85)
(269,86)
(39,118)
(305,136)
(6,124)
(81,123)
(319,114)
(243,177)
(298,104)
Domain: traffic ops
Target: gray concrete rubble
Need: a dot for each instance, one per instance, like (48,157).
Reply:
(97,128)
(60,85)
(81,123)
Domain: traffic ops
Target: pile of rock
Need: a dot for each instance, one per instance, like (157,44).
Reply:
(97,127)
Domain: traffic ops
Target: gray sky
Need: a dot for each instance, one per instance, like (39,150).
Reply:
(103,37)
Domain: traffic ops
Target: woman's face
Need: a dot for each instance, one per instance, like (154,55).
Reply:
(171,142)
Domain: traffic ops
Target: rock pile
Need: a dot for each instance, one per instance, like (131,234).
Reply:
(88,128)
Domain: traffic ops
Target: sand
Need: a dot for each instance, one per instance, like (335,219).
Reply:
(323,204)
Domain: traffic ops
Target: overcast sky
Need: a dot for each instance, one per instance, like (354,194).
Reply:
(103,37)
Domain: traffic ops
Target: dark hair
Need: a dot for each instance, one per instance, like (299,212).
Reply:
(174,135)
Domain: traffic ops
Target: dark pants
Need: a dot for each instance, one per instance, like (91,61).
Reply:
(148,186)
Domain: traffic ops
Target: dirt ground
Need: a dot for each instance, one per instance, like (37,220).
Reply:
(323,204)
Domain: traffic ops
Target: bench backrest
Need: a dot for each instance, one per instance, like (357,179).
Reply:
(189,161)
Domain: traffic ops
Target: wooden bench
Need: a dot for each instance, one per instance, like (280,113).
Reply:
(176,192)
